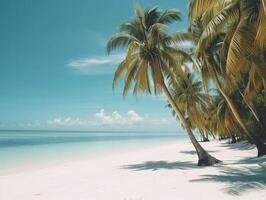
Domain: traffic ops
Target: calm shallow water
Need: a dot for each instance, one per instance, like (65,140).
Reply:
(22,149)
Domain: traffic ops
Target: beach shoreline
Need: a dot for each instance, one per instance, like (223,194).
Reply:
(20,151)
(101,154)
(166,171)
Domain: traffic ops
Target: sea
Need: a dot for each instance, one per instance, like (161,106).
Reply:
(21,150)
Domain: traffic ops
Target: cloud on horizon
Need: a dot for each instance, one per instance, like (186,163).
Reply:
(101,118)
(69,121)
(131,118)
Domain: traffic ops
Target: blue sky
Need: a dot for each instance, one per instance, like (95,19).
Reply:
(55,74)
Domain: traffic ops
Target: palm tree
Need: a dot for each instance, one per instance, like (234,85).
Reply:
(242,48)
(152,56)
(226,125)
(192,101)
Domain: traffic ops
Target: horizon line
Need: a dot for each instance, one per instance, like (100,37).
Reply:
(97,131)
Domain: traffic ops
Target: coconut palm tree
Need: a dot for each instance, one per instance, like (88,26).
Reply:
(242,48)
(152,55)
(226,125)
(243,23)
(192,101)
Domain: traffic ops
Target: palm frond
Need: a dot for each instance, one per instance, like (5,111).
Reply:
(151,16)
(133,28)
(241,46)
(261,27)
(169,16)
(217,24)
(129,77)
(119,41)
(198,7)
(120,69)
(142,79)
(182,36)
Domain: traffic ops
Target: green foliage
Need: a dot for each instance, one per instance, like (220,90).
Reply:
(231,46)
(152,53)
(228,48)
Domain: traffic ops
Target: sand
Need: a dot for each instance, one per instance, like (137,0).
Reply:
(165,172)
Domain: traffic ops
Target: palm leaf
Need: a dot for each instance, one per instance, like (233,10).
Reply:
(182,36)
(198,7)
(132,28)
(241,47)
(130,75)
(120,69)
(169,16)
(217,24)
(120,40)
(214,10)
(261,28)
(151,16)
(142,78)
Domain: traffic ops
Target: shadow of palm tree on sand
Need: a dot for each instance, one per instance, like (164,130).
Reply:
(159,165)
(242,180)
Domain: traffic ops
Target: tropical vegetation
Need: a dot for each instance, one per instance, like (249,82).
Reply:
(216,85)
(231,50)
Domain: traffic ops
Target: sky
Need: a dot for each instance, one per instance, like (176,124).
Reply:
(55,73)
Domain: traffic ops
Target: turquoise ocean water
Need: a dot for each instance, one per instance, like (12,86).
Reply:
(23,149)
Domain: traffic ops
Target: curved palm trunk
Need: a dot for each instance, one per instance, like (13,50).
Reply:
(228,100)
(204,137)
(252,110)
(233,139)
(205,158)
(261,146)
(251,107)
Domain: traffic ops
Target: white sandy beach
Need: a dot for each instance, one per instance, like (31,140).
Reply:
(166,172)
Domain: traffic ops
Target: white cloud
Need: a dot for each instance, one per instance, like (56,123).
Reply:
(134,117)
(131,118)
(102,118)
(69,121)
(96,65)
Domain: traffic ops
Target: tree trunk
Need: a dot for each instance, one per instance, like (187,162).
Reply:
(253,111)
(261,146)
(207,136)
(228,100)
(251,107)
(204,138)
(260,142)
(233,139)
(205,159)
